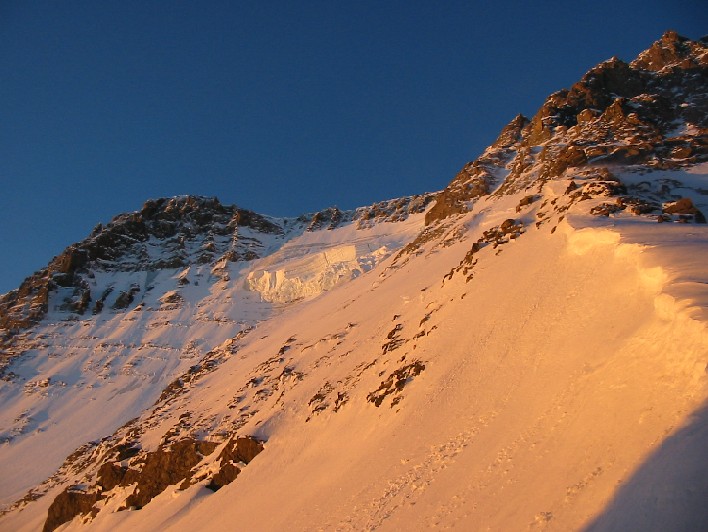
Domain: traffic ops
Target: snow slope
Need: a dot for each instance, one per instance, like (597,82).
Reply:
(553,380)
(75,372)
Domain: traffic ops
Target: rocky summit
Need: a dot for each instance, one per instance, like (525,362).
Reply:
(525,349)
(625,115)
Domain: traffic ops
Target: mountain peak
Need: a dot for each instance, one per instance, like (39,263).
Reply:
(511,133)
(618,113)
(672,51)
(180,205)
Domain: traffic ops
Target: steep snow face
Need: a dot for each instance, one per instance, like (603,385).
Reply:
(77,380)
(76,377)
(436,388)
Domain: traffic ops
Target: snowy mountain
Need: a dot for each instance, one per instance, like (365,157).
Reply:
(526,349)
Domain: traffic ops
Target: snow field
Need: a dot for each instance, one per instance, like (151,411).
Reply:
(547,391)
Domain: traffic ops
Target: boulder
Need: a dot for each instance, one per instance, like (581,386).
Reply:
(684,208)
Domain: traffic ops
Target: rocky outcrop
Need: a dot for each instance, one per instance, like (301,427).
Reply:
(27,305)
(237,453)
(167,466)
(685,211)
(395,383)
(672,51)
(328,219)
(165,233)
(395,210)
(125,298)
(68,504)
(479,177)
(150,473)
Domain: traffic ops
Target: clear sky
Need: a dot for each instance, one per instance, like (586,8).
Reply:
(282,107)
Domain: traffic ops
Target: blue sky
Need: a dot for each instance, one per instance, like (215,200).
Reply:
(280,107)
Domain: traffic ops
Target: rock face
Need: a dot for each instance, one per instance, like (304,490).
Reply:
(394,384)
(650,112)
(237,453)
(171,464)
(67,505)
(164,467)
(478,177)
(165,233)
(672,51)
(396,210)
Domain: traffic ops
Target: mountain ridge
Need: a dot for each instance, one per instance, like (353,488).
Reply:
(604,96)
(175,220)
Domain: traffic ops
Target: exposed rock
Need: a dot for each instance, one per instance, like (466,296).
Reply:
(226,475)
(152,472)
(124,299)
(479,176)
(239,450)
(558,160)
(586,116)
(172,463)
(472,182)
(638,206)
(496,236)
(672,50)
(172,298)
(508,226)
(681,206)
(681,152)
(685,208)
(98,307)
(326,219)
(68,504)
(602,187)
(111,475)
(525,201)
(605,209)
(395,382)
(168,465)
(396,210)
(511,133)
(618,113)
